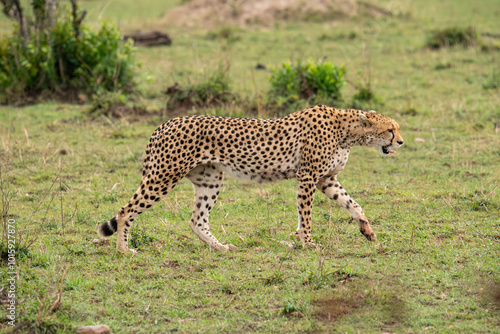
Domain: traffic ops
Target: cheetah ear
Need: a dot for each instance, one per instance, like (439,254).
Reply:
(365,121)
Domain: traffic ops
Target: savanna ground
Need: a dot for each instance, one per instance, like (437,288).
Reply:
(435,205)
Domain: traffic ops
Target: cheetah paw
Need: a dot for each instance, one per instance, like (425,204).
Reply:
(225,248)
(128,251)
(371,236)
(312,245)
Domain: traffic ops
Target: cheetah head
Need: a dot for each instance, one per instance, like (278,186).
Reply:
(381,132)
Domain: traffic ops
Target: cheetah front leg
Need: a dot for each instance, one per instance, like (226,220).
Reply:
(207,182)
(333,190)
(305,197)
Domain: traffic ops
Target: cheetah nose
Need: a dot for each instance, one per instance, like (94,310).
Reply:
(400,142)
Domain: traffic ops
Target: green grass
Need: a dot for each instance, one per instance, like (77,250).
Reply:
(435,206)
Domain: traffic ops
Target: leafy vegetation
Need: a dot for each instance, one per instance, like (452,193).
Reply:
(226,32)
(365,98)
(453,36)
(493,81)
(215,91)
(306,80)
(115,104)
(63,58)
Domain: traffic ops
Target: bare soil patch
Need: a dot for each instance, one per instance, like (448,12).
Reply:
(330,309)
(265,13)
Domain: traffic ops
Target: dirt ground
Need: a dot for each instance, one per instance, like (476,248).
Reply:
(265,13)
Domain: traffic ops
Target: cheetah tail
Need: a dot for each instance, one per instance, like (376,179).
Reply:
(108,228)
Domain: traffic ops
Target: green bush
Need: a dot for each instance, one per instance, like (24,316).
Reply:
(64,60)
(226,32)
(215,91)
(117,105)
(95,59)
(364,93)
(452,36)
(493,81)
(306,81)
(364,98)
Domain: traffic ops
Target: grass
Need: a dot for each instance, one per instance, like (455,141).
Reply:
(434,206)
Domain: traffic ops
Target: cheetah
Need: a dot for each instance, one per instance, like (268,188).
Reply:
(311,145)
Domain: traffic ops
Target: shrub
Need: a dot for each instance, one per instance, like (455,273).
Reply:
(493,81)
(364,93)
(64,59)
(452,36)
(226,32)
(365,98)
(94,60)
(307,81)
(116,105)
(213,92)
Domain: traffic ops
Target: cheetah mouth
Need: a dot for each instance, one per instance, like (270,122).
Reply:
(385,150)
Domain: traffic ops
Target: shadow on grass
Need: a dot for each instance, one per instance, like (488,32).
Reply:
(33,327)
(382,300)
(332,308)
(491,294)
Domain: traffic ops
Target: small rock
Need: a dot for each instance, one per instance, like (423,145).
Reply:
(98,329)
(419,140)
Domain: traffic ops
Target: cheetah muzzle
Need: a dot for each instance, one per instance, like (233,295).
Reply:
(385,150)
(311,146)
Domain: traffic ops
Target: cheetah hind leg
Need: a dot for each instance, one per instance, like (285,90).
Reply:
(207,182)
(144,198)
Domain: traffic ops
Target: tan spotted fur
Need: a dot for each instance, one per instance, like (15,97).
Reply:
(311,145)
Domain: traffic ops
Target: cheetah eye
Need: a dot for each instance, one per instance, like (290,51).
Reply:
(391,132)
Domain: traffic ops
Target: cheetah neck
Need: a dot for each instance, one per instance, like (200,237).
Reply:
(354,132)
